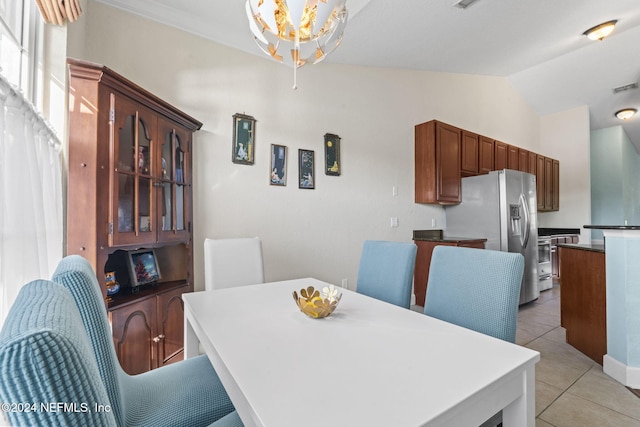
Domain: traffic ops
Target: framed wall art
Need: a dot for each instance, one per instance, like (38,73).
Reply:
(306,175)
(278,165)
(331,154)
(244,135)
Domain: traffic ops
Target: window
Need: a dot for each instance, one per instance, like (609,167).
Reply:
(31,209)
(21,30)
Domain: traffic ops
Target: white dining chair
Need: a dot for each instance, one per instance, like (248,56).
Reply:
(232,262)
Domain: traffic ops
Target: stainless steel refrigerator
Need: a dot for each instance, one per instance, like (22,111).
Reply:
(501,207)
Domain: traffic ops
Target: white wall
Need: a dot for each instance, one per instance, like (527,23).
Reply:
(306,232)
(565,136)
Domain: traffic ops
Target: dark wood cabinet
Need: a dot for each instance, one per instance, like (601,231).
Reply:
(555,187)
(513,157)
(469,155)
(501,155)
(533,157)
(523,160)
(423,262)
(444,154)
(149,332)
(540,182)
(583,303)
(130,187)
(486,155)
(437,163)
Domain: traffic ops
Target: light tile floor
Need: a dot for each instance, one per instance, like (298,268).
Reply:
(571,389)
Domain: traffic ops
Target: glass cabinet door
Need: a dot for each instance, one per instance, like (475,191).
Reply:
(176,185)
(132,216)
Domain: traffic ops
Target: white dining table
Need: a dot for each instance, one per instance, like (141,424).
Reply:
(369,363)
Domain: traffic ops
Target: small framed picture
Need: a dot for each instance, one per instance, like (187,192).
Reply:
(244,135)
(278,165)
(306,175)
(331,154)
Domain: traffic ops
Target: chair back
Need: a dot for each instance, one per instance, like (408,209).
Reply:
(476,288)
(46,359)
(76,274)
(233,262)
(386,271)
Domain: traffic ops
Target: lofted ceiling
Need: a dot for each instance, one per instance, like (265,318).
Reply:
(536,44)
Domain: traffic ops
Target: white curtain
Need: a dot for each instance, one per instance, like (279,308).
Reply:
(31,214)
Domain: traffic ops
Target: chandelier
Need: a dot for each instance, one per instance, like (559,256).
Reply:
(296,32)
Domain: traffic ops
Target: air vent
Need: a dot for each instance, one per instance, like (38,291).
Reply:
(463,4)
(625,88)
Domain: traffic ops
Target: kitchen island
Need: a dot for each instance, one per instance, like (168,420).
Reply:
(583,310)
(622,255)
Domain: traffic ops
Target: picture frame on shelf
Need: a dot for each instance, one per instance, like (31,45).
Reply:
(306,173)
(278,165)
(244,134)
(332,164)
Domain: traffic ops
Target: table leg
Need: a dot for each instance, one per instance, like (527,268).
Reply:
(190,339)
(522,411)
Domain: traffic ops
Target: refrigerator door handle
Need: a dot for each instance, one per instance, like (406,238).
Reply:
(527,220)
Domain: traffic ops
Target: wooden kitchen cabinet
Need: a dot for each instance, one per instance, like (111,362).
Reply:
(513,157)
(533,157)
(130,187)
(486,155)
(501,155)
(555,186)
(423,261)
(469,156)
(548,183)
(583,302)
(523,160)
(540,182)
(437,163)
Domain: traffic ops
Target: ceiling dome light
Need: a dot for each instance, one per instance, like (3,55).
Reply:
(295,32)
(626,113)
(599,32)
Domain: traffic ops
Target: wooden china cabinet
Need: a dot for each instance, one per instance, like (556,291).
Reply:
(130,187)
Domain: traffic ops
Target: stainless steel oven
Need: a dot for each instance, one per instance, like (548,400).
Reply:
(544,263)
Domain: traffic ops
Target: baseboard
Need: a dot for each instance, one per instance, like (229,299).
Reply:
(627,375)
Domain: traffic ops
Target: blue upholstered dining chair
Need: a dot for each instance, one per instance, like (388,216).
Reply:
(386,271)
(476,288)
(232,262)
(184,393)
(46,358)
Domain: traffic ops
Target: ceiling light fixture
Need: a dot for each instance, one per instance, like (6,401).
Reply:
(626,113)
(599,32)
(295,32)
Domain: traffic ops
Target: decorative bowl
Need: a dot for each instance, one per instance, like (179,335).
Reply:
(317,304)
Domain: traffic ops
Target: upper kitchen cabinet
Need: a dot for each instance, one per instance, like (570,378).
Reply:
(501,155)
(469,156)
(486,155)
(513,157)
(437,163)
(555,198)
(548,183)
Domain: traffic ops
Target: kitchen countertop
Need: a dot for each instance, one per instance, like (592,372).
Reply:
(614,227)
(437,236)
(594,247)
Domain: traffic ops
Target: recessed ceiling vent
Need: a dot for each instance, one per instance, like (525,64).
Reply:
(625,88)
(463,4)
